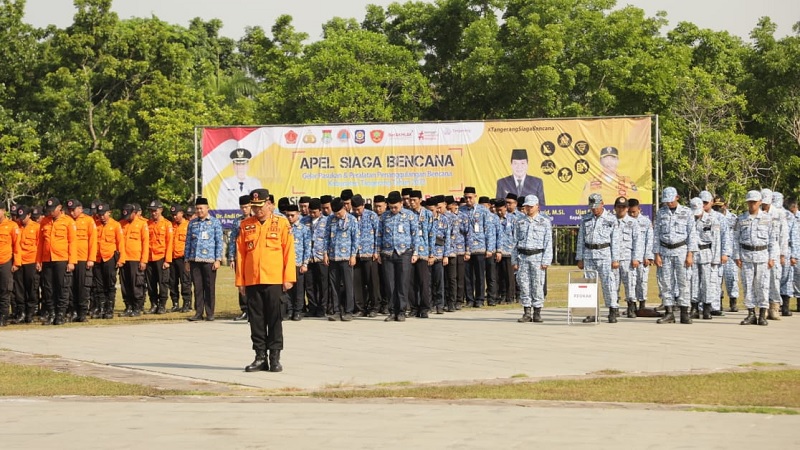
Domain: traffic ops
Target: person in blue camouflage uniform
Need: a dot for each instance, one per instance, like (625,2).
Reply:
(302,249)
(397,240)
(730,273)
(491,262)
(421,295)
(365,280)
(725,247)
(707,258)
(244,206)
(456,266)
(515,212)
(645,251)
(629,248)
(755,251)
(781,229)
(787,263)
(480,245)
(316,282)
(532,253)
(343,238)
(794,236)
(598,250)
(673,247)
(379,207)
(506,279)
(440,237)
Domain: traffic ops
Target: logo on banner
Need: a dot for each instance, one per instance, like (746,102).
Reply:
(427,136)
(327,136)
(401,135)
(343,135)
(376,136)
(309,138)
(360,136)
(290,137)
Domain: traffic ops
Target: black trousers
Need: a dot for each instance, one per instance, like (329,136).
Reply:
(342,284)
(454,291)
(105,279)
(491,280)
(6,287)
(421,297)
(297,294)
(396,276)
(132,285)
(507,281)
(56,283)
(476,279)
(383,295)
(180,283)
(158,283)
(317,288)
(205,283)
(366,285)
(26,289)
(437,282)
(82,281)
(265,317)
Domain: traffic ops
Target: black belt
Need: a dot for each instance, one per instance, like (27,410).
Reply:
(597,246)
(704,246)
(673,246)
(527,252)
(757,248)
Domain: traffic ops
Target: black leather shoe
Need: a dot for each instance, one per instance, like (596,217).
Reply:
(423,315)
(334,318)
(401,318)
(241,317)
(372,314)
(175,308)
(59,320)
(195,318)
(297,316)
(275,361)
(439,310)
(347,318)
(210,319)
(152,310)
(390,318)
(258,364)
(135,313)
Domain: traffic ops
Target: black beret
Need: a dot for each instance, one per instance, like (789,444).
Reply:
(283,202)
(347,194)
(315,204)
(337,204)
(511,196)
(290,208)
(325,199)
(483,200)
(633,202)
(357,201)
(200,201)
(394,197)
(450,199)
(406,191)
(244,200)
(416,194)
(304,199)
(469,190)
(379,199)
(499,202)
(519,153)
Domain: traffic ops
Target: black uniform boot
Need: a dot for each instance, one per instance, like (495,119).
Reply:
(762,319)
(785,311)
(694,313)
(537,315)
(751,317)
(612,315)
(685,316)
(275,361)
(631,312)
(706,311)
(733,307)
(669,315)
(258,364)
(526,315)
(641,304)
(797,308)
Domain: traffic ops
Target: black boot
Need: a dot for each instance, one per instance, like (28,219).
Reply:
(258,364)
(762,317)
(275,361)
(641,304)
(685,316)
(537,315)
(797,308)
(3,321)
(669,316)
(526,315)
(694,313)
(59,320)
(612,315)
(631,312)
(733,307)
(751,317)
(785,311)
(706,311)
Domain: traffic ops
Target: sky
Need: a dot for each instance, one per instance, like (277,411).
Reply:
(738,17)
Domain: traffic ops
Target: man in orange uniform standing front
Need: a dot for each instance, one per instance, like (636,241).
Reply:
(178,277)
(26,279)
(265,269)
(137,244)
(9,261)
(110,257)
(86,251)
(160,258)
(55,260)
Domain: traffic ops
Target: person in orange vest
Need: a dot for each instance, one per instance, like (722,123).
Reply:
(110,257)
(265,270)
(132,273)
(86,249)
(56,257)
(161,242)
(26,279)
(9,261)
(179,278)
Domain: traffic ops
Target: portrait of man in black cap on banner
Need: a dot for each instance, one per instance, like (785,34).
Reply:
(519,182)
(239,184)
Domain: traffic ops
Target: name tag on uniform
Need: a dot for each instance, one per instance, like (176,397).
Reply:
(400,229)
(204,235)
(477,228)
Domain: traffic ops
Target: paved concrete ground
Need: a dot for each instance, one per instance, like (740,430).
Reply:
(467,345)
